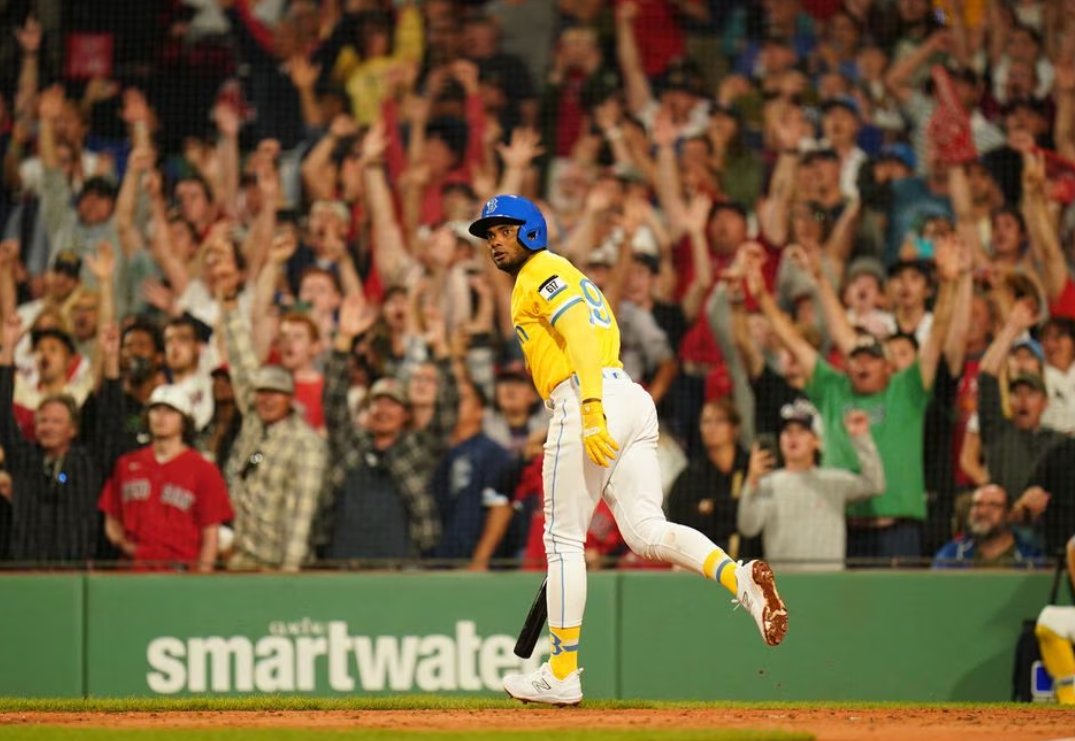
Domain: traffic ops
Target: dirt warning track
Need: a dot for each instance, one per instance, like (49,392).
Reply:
(903,724)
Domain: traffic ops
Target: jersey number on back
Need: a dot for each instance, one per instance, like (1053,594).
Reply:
(599,314)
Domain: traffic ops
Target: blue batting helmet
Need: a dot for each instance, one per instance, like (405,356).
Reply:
(508,209)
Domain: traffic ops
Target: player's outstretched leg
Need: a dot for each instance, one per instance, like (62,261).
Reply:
(757,593)
(634,495)
(542,686)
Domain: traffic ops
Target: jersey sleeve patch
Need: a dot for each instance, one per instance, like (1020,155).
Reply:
(551,288)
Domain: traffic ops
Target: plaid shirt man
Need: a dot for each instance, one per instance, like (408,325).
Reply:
(275,472)
(410,460)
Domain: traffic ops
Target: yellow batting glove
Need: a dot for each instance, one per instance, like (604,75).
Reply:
(599,444)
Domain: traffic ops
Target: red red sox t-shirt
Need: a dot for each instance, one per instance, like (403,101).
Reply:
(165,506)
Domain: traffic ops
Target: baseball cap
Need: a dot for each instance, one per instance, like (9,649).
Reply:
(512,371)
(604,255)
(336,208)
(733,206)
(68,263)
(905,336)
(902,153)
(842,101)
(650,261)
(922,266)
(719,109)
(799,413)
(607,253)
(170,395)
(867,343)
(55,333)
(1027,379)
(627,173)
(965,74)
(273,378)
(461,230)
(866,266)
(599,87)
(1029,343)
(681,74)
(1025,103)
(774,35)
(98,185)
(389,388)
(820,154)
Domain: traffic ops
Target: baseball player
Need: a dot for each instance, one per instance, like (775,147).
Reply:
(602,442)
(1056,634)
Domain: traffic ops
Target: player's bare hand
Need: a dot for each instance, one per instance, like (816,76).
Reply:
(600,446)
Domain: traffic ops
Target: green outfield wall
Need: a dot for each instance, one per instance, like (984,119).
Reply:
(916,636)
(42,619)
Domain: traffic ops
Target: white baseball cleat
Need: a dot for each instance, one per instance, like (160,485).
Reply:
(757,593)
(543,686)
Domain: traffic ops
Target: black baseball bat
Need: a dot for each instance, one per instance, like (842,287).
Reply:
(533,625)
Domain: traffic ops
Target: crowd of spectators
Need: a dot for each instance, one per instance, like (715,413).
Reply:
(838,237)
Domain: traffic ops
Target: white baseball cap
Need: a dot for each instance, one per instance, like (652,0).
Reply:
(170,395)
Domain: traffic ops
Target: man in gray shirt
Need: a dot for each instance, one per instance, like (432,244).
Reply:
(799,508)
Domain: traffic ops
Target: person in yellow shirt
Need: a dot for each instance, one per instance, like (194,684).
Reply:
(602,443)
(384,43)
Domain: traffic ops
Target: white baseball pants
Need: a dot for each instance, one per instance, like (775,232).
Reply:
(631,487)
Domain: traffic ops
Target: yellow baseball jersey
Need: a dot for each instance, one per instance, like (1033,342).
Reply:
(552,300)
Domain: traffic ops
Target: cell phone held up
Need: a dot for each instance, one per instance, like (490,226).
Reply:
(766,441)
(769,443)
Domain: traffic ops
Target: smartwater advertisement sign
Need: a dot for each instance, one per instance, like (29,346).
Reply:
(323,635)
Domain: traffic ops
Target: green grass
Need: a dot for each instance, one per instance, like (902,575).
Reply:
(415,702)
(54,733)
